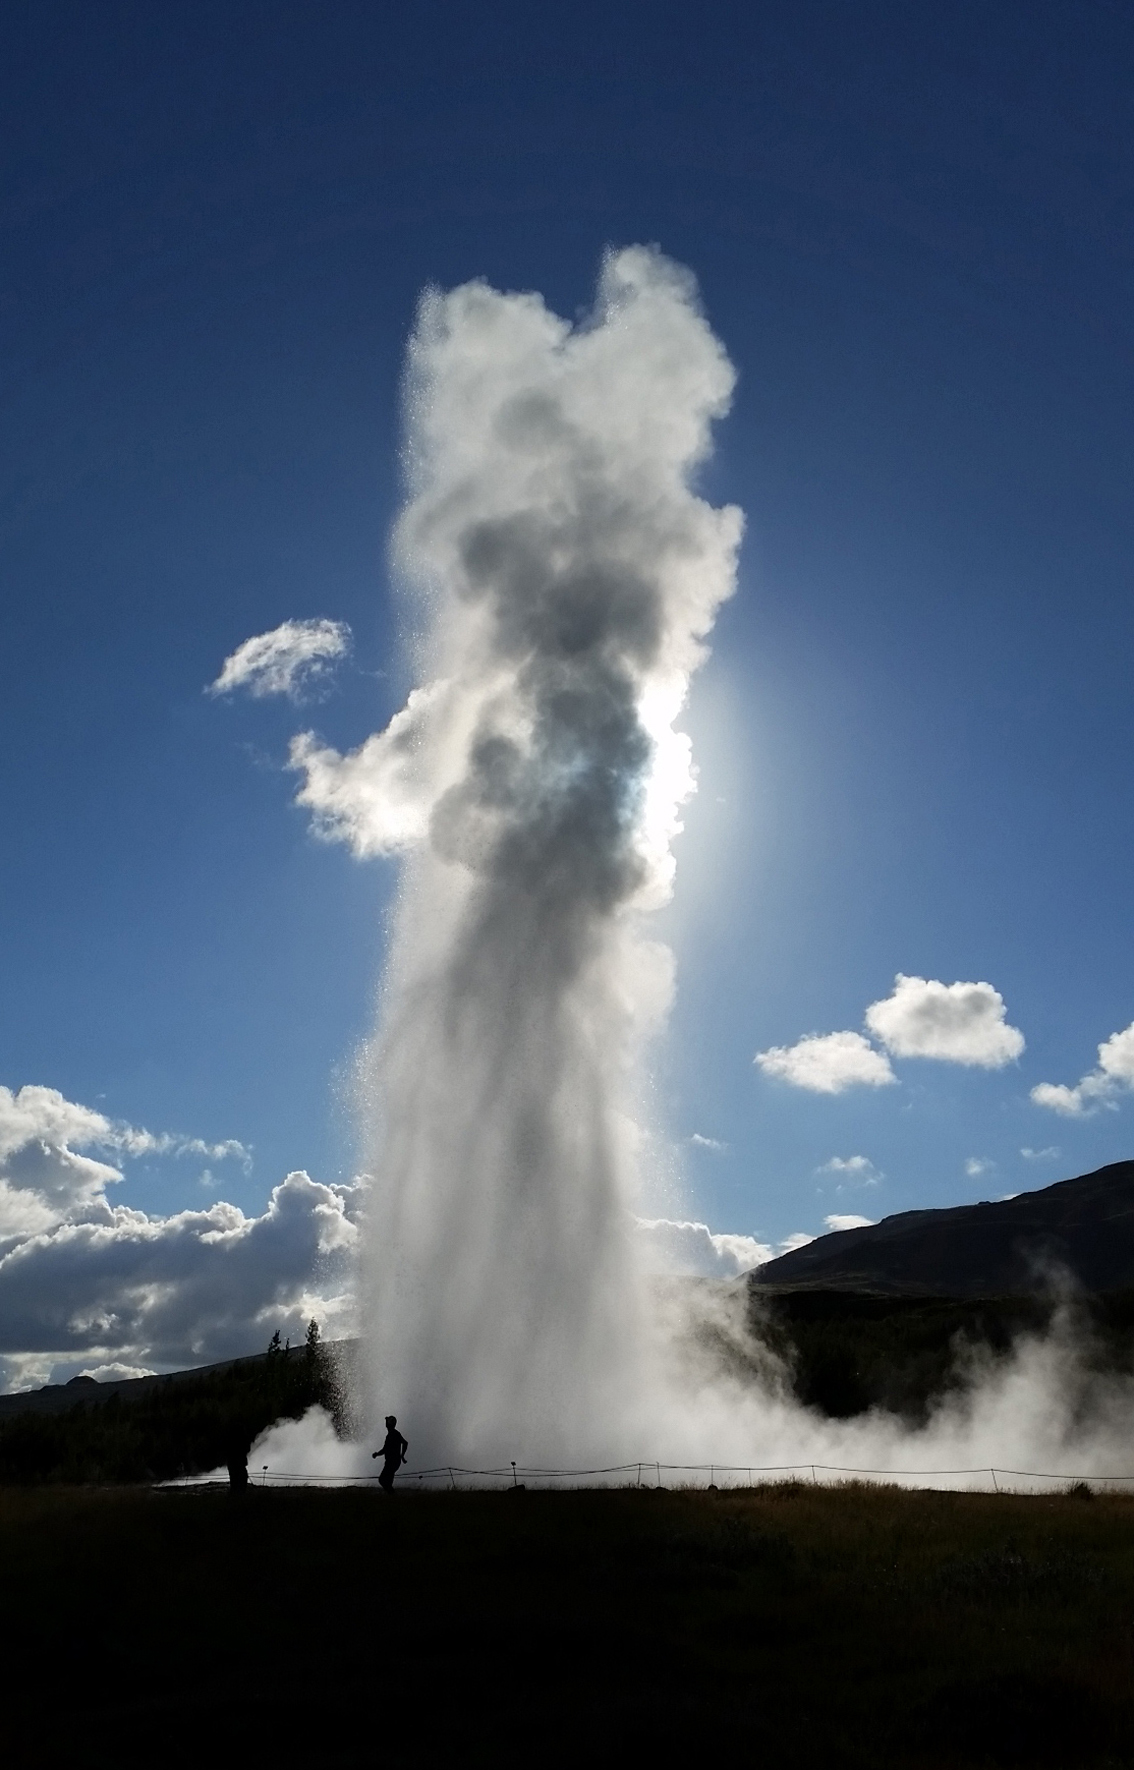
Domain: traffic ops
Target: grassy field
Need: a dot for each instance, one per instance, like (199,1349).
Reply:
(843,1627)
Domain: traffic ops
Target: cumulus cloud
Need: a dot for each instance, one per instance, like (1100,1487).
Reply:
(45,1177)
(694,1249)
(185,1289)
(1113,1076)
(104,1286)
(828,1063)
(954,1022)
(288,660)
(837,1221)
(856,1170)
(978,1165)
(1040,1155)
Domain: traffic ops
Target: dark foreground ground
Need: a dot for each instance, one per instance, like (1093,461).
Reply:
(838,1627)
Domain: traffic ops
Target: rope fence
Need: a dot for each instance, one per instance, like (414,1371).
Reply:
(649,1475)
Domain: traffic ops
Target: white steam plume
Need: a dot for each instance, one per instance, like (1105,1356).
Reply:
(568,574)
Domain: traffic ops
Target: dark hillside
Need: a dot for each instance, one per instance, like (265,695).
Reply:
(1082,1227)
(850,1350)
(157,1428)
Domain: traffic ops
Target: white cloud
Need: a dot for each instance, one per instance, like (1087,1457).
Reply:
(856,1170)
(122,1286)
(828,1063)
(285,661)
(1116,1057)
(791,1242)
(34,1114)
(132,1142)
(115,1372)
(978,1165)
(1040,1155)
(712,1143)
(694,1249)
(1077,1102)
(85,1284)
(954,1022)
(1112,1077)
(839,1221)
(43,1176)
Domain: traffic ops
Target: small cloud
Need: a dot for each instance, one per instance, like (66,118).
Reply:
(231,1149)
(953,1022)
(130,1141)
(285,661)
(1040,1155)
(791,1242)
(856,1170)
(839,1221)
(707,1142)
(978,1165)
(116,1372)
(694,1249)
(1113,1076)
(1078,1102)
(827,1063)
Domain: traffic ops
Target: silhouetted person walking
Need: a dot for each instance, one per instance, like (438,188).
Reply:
(393,1454)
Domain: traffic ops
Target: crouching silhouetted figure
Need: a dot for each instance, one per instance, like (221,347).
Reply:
(393,1454)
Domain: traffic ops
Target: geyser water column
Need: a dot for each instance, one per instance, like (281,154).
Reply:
(565,576)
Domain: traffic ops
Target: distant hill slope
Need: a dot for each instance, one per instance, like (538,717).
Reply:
(1085,1226)
(59,1398)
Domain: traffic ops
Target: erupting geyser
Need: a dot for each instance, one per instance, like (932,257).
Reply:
(566,575)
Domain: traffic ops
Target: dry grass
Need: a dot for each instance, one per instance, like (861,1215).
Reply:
(849,1627)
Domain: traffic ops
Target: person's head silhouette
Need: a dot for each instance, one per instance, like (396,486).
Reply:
(391,1419)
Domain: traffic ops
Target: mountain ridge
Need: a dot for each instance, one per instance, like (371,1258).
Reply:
(1081,1229)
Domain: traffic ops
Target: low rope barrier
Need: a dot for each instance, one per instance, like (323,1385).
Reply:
(634,1473)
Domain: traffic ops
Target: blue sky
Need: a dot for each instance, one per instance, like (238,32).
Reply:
(911,227)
